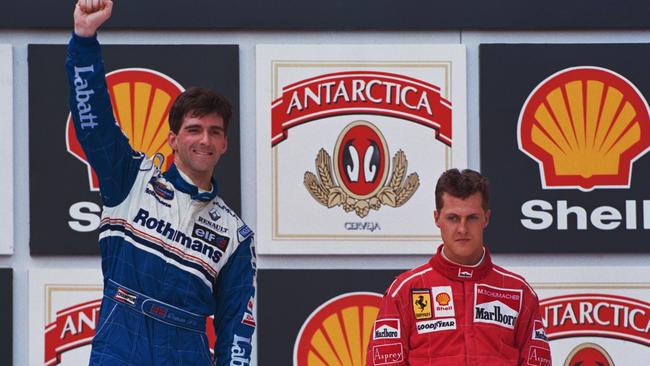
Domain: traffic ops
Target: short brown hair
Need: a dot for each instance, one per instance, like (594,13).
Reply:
(462,185)
(199,102)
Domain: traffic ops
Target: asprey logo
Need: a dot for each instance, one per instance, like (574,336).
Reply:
(597,315)
(498,306)
(141,100)
(588,354)
(347,316)
(385,354)
(538,356)
(361,165)
(585,126)
(386,329)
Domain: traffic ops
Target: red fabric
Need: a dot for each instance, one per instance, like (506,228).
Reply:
(490,318)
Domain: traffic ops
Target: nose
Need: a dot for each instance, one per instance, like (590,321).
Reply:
(205,137)
(462,226)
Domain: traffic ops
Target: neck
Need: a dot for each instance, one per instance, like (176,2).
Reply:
(472,263)
(203,182)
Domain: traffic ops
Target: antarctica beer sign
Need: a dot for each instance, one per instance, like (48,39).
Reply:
(351,140)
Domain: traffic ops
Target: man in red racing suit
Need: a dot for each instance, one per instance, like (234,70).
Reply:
(459,308)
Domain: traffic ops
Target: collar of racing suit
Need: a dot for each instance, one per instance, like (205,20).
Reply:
(173,175)
(458,272)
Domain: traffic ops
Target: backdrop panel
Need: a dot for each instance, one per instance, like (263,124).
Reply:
(64,203)
(6,316)
(341,14)
(565,131)
(292,304)
(350,142)
(6,150)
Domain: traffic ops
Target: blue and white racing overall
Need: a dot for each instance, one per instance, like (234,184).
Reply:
(171,255)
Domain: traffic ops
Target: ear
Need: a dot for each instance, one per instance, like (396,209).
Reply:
(225,145)
(487,217)
(171,140)
(436,216)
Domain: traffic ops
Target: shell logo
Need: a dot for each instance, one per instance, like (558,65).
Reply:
(585,126)
(588,354)
(141,101)
(443,299)
(338,331)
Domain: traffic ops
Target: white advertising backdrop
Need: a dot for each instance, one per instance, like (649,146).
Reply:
(63,313)
(350,142)
(605,306)
(6,150)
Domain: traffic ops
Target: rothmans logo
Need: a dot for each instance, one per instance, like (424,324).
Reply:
(585,126)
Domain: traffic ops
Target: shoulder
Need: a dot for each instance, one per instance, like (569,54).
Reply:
(513,279)
(405,280)
(221,210)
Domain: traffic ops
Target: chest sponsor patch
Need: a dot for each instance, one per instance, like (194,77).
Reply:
(421,299)
(538,356)
(498,306)
(385,354)
(435,325)
(443,302)
(210,237)
(386,329)
(538,331)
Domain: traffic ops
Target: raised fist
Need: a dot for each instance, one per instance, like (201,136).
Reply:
(89,15)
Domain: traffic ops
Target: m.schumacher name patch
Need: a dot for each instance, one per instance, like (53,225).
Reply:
(498,306)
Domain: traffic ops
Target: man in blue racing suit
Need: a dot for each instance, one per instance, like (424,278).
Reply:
(172,251)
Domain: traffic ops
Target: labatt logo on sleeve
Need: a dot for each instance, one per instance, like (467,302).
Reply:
(141,100)
(498,306)
(597,315)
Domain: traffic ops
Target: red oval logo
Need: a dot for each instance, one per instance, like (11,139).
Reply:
(588,354)
(361,159)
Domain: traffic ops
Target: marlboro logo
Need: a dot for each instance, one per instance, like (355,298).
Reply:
(498,306)
(141,100)
(75,326)
(386,329)
(355,92)
(585,126)
(597,315)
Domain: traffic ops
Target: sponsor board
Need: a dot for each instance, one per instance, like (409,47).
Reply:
(332,317)
(604,307)
(351,140)
(6,150)
(63,314)
(569,125)
(6,316)
(143,80)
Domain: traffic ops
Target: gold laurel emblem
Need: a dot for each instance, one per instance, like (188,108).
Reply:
(397,192)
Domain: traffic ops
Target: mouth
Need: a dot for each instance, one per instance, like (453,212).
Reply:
(205,153)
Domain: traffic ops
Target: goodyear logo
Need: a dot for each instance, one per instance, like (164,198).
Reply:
(585,126)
